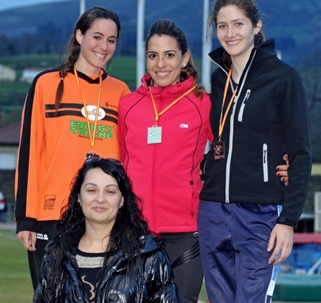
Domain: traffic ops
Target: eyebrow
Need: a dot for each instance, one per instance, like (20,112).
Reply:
(234,20)
(99,33)
(168,51)
(94,184)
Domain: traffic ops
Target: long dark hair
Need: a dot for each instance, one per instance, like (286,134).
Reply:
(83,23)
(169,28)
(128,228)
(251,11)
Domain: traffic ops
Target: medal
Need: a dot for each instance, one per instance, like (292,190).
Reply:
(154,134)
(219,145)
(219,150)
(91,135)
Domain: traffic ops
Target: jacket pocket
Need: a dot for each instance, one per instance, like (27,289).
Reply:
(246,97)
(265,163)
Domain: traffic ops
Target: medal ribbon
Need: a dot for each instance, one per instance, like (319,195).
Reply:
(223,119)
(91,136)
(158,114)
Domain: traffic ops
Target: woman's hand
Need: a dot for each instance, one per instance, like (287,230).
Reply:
(28,239)
(282,170)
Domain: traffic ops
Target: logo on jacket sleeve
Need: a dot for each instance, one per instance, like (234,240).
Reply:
(183,125)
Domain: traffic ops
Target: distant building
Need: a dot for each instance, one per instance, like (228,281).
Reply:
(9,141)
(7,73)
(29,74)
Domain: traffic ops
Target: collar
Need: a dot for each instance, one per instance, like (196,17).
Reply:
(167,93)
(262,51)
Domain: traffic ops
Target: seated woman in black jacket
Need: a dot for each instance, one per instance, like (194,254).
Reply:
(103,251)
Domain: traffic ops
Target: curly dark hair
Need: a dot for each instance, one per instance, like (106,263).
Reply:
(128,229)
(169,28)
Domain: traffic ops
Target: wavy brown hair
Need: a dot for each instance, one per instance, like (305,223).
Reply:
(83,23)
(251,11)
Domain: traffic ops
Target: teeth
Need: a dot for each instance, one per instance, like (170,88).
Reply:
(100,55)
(162,74)
(232,42)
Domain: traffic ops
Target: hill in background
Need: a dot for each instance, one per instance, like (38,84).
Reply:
(290,22)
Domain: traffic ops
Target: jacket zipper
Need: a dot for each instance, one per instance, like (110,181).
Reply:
(246,97)
(229,155)
(265,163)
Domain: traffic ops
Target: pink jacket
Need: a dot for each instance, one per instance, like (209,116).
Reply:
(166,175)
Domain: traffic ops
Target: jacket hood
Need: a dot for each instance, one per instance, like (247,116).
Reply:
(263,51)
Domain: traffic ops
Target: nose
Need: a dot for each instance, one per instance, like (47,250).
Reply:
(104,45)
(100,197)
(230,31)
(161,62)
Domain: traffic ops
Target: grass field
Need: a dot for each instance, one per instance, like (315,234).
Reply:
(15,283)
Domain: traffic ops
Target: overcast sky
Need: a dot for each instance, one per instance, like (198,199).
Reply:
(5,4)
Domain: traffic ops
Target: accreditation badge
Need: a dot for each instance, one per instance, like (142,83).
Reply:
(154,135)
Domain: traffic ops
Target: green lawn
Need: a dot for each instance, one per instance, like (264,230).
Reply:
(15,282)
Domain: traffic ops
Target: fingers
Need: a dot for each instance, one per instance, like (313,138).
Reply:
(281,239)
(283,177)
(282,172)
(286,159)
(279,255)
(284,168)
(28,239)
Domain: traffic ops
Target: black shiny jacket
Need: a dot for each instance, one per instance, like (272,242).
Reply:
(153,281)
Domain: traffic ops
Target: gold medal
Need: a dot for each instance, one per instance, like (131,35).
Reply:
(91,135)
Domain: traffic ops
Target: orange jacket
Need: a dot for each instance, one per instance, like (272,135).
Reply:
(53,145)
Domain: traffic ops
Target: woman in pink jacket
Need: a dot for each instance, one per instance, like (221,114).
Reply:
(163,130)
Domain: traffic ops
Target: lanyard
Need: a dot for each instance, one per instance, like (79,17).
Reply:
(91,136)
(223,119)
(158,114)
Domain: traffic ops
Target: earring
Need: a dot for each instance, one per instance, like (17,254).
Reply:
(183,66)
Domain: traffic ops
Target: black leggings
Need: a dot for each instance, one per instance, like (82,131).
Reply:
(188,274)
(46,230)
